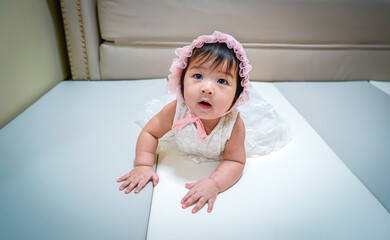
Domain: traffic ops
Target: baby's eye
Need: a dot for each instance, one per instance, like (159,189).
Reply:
(198,76)
(222,81)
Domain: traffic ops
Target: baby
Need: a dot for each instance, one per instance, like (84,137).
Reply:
(210,79)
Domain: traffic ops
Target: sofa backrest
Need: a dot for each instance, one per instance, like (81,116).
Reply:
(285,40)
(252,21)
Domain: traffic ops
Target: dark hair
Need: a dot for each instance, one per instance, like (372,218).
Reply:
(219,53)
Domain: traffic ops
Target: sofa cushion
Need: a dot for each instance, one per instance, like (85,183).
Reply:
(293,21)
(284,40)
(270,62)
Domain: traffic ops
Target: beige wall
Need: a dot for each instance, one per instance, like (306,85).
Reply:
(32,53)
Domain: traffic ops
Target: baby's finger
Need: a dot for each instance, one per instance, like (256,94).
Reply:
(124,177)
(155,179)
(189,185)
(186,197)
(201,202)
(126,183)
(141,185)
(210,204)
(193,199)
(132,186)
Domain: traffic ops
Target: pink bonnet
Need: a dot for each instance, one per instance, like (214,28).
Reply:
(180,63)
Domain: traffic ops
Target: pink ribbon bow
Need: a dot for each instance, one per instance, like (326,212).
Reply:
(200,132)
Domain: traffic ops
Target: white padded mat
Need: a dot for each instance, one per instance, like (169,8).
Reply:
(353,119)
(59,161)
(384,86)
(303,191)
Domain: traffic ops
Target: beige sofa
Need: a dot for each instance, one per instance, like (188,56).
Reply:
(285,40)
(314,61)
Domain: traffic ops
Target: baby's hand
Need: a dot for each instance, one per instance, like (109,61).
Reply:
(201,192)
(138,177)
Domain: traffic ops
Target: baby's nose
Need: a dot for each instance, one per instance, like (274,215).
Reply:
(207,89)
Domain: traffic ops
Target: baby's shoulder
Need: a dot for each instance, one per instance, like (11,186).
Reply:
(170,107)
(239,125)
(167,113)
(233,118)
(238,131)
(172,104)
(235,146)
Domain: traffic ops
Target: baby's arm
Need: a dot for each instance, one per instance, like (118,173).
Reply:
(146,147)
(226,175)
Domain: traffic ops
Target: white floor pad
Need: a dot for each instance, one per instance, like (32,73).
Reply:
(384,86)
(59,161)
(303,191)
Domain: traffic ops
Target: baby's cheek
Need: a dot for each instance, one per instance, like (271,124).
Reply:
(227,100)
(190,97)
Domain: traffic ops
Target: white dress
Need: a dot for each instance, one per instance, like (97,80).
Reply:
(209,149)
(266,130)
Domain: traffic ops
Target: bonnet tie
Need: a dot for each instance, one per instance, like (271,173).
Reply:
(200,131)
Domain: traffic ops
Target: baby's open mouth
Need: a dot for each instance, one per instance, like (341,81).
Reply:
(205,105)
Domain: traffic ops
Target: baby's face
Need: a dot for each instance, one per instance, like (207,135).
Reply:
(209,91)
